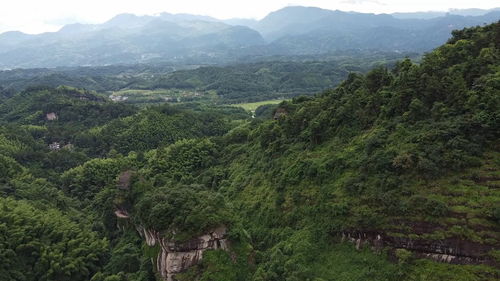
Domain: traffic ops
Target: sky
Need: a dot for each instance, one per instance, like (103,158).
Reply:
(36,16)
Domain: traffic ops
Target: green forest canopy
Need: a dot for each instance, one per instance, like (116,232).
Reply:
(409,153)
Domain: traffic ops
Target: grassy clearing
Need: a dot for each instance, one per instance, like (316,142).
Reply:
(161,92)
(252,106)
(163,95)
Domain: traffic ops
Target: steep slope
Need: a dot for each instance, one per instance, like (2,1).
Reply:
(407,159)
(403,163)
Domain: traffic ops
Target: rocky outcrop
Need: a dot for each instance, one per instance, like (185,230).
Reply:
(175,257)
(172,257)
(280,112)
(124,180)
(51,116)
(454,251)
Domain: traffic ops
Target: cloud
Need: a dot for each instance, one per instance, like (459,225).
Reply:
(361,2)
(35,16)
(64,20)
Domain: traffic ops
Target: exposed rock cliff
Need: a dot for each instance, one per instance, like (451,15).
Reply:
(172,257)
(176,257)
(453,251)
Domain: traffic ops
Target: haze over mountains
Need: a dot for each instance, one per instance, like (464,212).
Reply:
(184,38)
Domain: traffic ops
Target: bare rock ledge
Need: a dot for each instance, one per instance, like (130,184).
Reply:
(175,257)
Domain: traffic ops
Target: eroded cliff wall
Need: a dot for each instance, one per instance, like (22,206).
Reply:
(175,257)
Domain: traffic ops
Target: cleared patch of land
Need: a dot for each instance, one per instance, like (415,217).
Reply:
(252,106)
(162,95)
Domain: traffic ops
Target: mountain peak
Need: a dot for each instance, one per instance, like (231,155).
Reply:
(186,17)
(128,21)
(77,28)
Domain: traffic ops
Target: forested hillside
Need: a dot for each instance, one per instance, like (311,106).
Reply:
(269,80)
(104,78)
(253,81)
(392,175)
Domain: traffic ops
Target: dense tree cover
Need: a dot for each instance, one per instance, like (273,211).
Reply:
(268,80)
(29,145)
(374,150)
(273,78)
(156,126)
(180,213)
(88,179)
(380,153)
(183,159)
(26,131)
(74,110)
(39,244)
(44,188)
(76,107)
(103,78)
(409,153)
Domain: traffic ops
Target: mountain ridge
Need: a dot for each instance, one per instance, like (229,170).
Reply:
(182,38)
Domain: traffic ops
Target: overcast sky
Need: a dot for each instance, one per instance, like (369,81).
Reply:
(35,16)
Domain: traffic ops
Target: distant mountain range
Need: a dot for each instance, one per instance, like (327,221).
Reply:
(457,12)
(184,38)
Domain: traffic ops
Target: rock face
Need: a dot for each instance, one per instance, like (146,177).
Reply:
(124,180)
(452,251)
(280,112)
(51,116)
(175,257)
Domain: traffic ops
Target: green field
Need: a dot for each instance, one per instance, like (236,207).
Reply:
(252,106)
(162,95)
